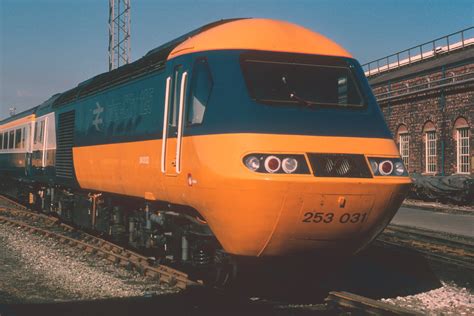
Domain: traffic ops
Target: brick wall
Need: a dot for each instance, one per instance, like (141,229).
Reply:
(441,106)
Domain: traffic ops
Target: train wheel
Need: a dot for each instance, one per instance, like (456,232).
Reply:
(223,272)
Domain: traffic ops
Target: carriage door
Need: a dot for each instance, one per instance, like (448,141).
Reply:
(173,118)
(39,144)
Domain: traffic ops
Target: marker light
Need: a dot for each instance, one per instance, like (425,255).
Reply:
(272,164)
(252,163)
(386,167)
(399,168)
(289,165)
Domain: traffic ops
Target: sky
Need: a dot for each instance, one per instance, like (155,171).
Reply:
(49,46)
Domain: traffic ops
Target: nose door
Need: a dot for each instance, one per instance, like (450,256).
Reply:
(173,121)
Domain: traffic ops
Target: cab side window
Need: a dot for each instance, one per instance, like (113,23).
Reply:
(201,87)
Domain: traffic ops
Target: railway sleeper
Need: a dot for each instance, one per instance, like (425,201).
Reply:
(164,234)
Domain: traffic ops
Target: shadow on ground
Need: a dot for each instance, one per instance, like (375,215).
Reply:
(376,272)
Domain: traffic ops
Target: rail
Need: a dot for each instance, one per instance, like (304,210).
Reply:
(360,305)
(444,249)
(436,47)
(16,214)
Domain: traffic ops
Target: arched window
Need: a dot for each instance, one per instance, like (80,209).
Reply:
(429,134)
(403,139)
(461,134)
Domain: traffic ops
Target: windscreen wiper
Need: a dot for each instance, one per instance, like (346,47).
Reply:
(300,100)
(294,96)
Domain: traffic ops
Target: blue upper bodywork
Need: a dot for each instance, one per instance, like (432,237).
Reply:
(134,110)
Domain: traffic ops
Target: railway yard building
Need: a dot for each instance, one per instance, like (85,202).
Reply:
(426,94)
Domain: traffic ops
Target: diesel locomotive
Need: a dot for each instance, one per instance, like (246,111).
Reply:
(245,137)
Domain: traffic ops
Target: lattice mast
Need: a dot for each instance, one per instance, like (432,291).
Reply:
(119,33)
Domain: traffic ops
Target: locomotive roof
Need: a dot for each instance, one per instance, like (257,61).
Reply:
(239,33)
(261,34)
(154,59)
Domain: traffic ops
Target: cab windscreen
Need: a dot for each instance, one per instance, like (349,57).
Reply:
(316,81)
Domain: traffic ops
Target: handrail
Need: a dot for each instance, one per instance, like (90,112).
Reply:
(428,85)
(406,57)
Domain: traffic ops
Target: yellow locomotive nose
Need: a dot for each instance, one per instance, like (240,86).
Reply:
(315,219)
(306,216)
(276,214)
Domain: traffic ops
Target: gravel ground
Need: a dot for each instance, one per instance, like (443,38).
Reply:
(447,300)
(34,269)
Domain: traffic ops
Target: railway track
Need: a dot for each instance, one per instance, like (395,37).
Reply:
(14,214)
(344,302)
(441,248)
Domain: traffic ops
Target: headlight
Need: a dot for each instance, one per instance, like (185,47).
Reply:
(375,167)
(252,163)
(289,165)
(399,168)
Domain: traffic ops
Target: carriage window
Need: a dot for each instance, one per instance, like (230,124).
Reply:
(18,138)
(287,80)
(23,138)
(11,139)
(1,141)
(201,87)
(5,140)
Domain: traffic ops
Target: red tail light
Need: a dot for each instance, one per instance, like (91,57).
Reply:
(386,167)
(272,164)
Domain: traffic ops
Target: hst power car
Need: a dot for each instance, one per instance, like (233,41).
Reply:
(245,137)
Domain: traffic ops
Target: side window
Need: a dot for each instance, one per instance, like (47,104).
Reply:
(173,116)
(5,140)
(18,138)
(11,139)
(1,141)
(201,87)
(23,138)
